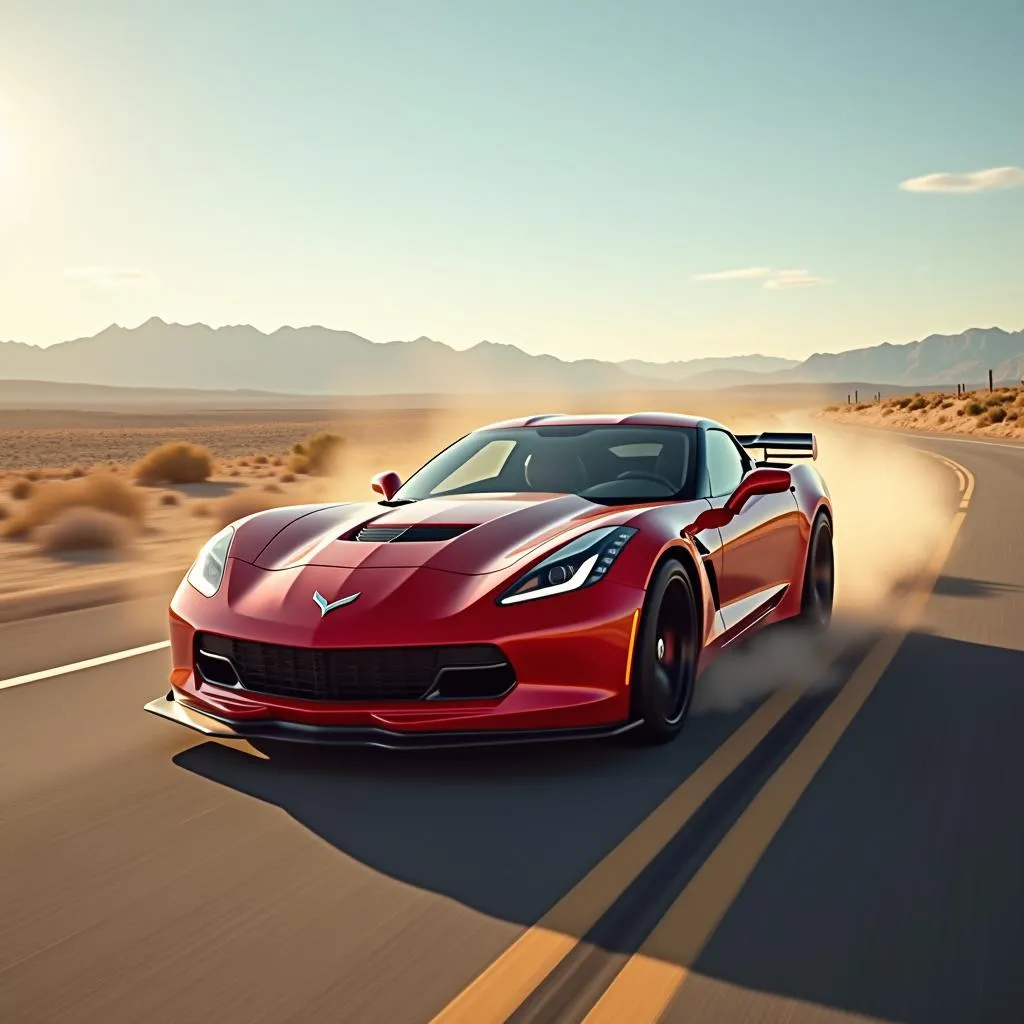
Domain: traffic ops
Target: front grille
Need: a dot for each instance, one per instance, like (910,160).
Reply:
(423,534)
(477,671)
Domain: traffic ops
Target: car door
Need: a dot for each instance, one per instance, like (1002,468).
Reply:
(760,545)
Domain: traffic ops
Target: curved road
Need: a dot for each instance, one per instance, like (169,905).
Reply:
(849,854)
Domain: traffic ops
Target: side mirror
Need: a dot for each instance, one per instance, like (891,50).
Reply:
(758,481)
(386,483)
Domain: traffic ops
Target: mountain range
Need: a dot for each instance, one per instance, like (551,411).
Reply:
(320,361)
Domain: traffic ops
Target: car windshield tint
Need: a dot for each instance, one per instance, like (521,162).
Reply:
(609,464)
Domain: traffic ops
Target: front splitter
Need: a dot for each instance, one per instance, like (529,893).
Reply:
(351,736)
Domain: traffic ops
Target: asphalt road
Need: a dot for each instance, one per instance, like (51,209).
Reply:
(149,875)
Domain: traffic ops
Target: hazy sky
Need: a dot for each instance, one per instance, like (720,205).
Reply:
(556,174)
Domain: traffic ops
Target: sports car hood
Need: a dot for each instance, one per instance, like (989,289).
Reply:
(472,534)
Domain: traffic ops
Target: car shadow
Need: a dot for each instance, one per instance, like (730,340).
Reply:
(892,889)
(465,822)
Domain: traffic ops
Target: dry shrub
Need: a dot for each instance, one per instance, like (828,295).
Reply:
(21,489)
(243,462)
(202,509)
(260,460)
(1012,415)
(76,473)
(86,529)
(974,408)
(298,448)
(917,403)
(102,492)
(1019,400)
(234,472)
(17,527)
(175,463)
(272,488)
(298,463)
(323,452)
(888,411)
(996,414)
(287,478)
(34,475)
(276,460)
(4,513)
(244,503)
(169,498)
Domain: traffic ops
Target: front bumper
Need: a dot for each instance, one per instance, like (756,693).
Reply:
(571,655)
(354,736)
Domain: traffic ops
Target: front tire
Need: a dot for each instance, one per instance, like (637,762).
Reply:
(665,656)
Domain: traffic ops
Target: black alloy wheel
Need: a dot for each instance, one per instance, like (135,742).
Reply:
(665,655)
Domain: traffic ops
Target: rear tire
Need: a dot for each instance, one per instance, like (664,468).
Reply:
(819,576)
(665,656)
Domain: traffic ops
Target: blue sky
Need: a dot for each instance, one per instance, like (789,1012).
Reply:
(557,175)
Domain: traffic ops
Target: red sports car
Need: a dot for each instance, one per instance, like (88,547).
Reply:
(541,578)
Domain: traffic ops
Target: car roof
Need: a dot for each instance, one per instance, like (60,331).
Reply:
(637,419)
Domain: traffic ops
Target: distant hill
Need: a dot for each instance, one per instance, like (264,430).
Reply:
(689,369)
(306,360)
(938,359)
(319,361)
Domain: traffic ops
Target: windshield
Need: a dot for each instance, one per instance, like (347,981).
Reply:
(608,464)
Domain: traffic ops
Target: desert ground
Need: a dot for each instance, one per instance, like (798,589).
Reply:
(997,413)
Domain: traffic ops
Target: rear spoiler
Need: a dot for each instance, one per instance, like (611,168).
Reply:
(792,446)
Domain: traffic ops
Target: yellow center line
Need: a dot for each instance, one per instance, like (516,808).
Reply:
(653,976)
(505,984)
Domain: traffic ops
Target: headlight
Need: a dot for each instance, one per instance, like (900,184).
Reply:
(208,571)
(579,563)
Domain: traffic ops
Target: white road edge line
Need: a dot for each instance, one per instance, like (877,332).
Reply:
(78,666)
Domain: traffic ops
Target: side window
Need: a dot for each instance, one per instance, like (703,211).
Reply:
(726,463)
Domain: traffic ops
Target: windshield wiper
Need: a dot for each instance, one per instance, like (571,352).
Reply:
(395,502)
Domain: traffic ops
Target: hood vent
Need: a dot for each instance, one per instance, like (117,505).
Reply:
(425,533)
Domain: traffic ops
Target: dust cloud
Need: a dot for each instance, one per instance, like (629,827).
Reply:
(892,508)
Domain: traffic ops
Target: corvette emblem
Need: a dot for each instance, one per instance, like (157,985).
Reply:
(326,606)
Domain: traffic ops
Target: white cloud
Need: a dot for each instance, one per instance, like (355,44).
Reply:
(790,279)
(113,277)
(743,274)
(773,279)
(970,181)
